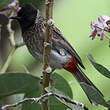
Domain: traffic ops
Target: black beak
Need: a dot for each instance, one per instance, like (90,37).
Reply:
(15,17)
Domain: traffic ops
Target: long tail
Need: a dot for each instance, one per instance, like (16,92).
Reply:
(72,67)
(81,77)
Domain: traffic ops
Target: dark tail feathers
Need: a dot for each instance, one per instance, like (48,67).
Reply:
(81,77)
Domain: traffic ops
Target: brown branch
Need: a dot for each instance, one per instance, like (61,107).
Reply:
(5,66)
(13,44)
(43,98)
(47,48)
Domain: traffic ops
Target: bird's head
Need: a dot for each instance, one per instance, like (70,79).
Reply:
(26,16)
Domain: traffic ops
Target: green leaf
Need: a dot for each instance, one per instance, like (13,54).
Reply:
(108,101)
(94,94)
(61,84)
(99,67)
(13,83)
(61,94)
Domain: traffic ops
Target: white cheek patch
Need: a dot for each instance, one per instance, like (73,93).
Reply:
(62,52)
(58,60)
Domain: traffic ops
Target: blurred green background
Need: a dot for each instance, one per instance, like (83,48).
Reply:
(73,18)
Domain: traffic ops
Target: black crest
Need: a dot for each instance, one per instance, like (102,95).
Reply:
(26,16)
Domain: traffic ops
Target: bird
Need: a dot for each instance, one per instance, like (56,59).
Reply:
(62,55)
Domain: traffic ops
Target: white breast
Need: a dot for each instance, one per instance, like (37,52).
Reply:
(57,60)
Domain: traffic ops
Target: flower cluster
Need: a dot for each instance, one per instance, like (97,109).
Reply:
(99,27)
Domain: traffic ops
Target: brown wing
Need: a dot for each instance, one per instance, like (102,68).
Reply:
(60,40)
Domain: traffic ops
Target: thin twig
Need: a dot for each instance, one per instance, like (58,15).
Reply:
(5,66)
(13,44)
(11,38)
(43,98)
(19,44)
(47,48)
